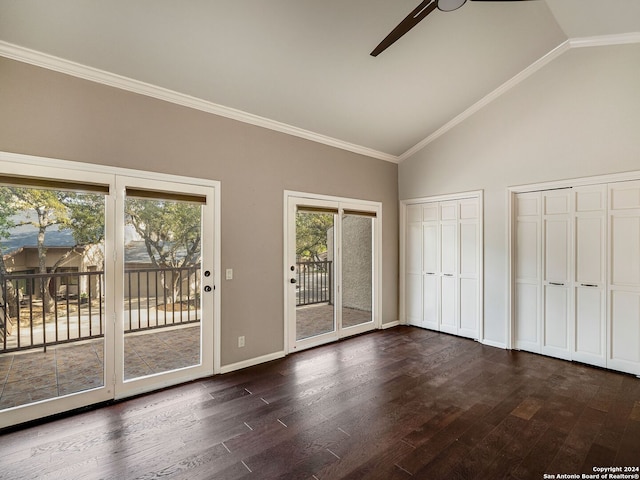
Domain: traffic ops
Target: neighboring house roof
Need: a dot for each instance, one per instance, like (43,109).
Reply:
(27,236)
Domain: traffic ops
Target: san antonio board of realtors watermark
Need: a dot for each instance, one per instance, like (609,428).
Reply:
(599,473)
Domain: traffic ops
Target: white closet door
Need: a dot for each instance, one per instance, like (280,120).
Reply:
(413,266)
(589,341)
(624,277)
(430,266)
(557,273)
(469,267)
(528,278)
(449,267)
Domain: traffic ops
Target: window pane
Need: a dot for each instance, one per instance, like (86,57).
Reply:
(161,285)
(51,288)
(357,269)
(315,281)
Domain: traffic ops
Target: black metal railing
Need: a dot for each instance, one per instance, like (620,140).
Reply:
(161,297)
(314,283)
(39,310)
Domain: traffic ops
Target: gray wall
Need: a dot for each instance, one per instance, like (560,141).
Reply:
(578,116)
(49,114)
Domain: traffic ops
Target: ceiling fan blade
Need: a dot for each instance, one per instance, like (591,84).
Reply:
(410,21)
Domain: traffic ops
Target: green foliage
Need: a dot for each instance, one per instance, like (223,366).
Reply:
(171,230)
(85,217)
(7,210)
(311,234)
(83,214)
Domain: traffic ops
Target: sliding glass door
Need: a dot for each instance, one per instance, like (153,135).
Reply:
(331,270)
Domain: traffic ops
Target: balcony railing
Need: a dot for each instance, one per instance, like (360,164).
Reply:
(314,283)
(39,310)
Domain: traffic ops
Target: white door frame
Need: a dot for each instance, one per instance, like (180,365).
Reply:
(291,198)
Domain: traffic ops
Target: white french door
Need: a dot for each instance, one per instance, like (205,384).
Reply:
(331,269)
(123,303)
(164,276)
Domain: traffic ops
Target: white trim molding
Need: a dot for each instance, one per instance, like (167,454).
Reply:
(57,64)
(50,62)
(599,41)
(251,362)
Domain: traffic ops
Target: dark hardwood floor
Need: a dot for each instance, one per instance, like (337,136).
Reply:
(392,404)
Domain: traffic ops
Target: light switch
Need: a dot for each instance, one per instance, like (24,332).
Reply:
(229,274)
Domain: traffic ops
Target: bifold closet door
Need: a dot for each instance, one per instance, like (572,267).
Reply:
(449,267)
(557,282)
(565,248)
(590,230)
(443,265)
(413,269)
(624,277)
(469,267)
(528,276)
(430,266)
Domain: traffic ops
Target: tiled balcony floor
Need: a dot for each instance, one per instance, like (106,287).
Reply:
(34,375)
(314,320)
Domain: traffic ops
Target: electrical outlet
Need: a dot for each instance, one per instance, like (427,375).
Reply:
(241,341)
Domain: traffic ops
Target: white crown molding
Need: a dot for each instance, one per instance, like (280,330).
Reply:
(57,64)
(50,62)
(605,40)
(599,41)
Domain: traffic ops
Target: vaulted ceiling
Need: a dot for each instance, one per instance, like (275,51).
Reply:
(305,65)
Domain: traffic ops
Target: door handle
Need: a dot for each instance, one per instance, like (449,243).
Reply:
(207,288)
(588,285)
(556,284)
(448,274)
(293,280)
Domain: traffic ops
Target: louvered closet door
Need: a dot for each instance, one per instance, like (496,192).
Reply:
(528,277)
(590,230)
(449,267)
(557,282)
(624,277)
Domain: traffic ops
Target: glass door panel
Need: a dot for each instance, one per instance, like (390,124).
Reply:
(331,272)
(161,285)
(166,322)
(357,269)
(315,275)
(53,316)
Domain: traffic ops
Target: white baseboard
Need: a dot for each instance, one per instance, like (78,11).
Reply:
(491,343)
(384,326)
(251,362)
